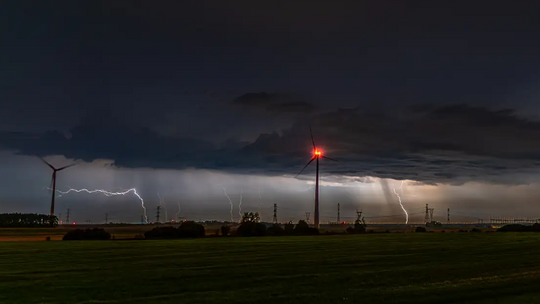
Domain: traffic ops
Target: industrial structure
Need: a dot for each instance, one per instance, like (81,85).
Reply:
(428,218)
(53,182)
(500,221)
(317,154)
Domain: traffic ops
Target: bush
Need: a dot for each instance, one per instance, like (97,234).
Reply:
(88,234)
(185,230)
(476,230)
(519,228)
(420,229)
(358,229)
(289,228)
(302,228)
(275,230)
(191,229)
(251,229)
(166,232)
(73,235)
(225,230)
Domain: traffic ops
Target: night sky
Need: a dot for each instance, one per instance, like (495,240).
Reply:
(189,98)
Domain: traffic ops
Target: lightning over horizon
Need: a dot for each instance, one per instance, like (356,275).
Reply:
(230,202)
(162,204)
(177,213)
(240,205)
(400,203)
(108,193)
(260,203)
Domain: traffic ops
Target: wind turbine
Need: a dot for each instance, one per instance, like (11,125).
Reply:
(317,153)
(53,181)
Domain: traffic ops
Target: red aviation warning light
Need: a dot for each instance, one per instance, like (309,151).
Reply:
(317,153)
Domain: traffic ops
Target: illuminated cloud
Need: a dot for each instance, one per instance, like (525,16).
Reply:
(448,144)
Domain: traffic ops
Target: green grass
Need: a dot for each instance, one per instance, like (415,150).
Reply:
(379,268)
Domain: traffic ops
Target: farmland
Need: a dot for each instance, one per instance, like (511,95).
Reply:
(377,268)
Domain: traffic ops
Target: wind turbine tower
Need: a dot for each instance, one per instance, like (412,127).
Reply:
(53,181)
(317,153)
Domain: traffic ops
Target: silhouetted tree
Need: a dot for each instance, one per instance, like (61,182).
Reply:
(420,229)
(190,229)
(74,235)
(251,217)
(302,228)
(289,228)
(519,228)
(165,232)
(275,230)
(225,230)
(250,225)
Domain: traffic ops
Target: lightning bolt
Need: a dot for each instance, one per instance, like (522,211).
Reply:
(307,189)
(260,203)
(177,213)
(162,204)
(107,193)
(401,204)
(230,202)
(240,205)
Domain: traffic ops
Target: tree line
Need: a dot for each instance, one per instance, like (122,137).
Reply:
(27,220)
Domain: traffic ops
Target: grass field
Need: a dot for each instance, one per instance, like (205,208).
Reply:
(377,268)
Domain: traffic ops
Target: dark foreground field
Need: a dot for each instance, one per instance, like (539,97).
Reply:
(378,268)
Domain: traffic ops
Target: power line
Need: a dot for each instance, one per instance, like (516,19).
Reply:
(392,215)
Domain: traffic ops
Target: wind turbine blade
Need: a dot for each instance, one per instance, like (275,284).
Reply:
(65,167)
(43,160)
(329,158)
(312,140)
(305,167)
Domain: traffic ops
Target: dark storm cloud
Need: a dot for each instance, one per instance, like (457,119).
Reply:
(169,73)
(291,107)
(276,103)
(256,99)
(451,144)
(448,144)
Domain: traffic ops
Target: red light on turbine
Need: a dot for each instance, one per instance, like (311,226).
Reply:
(318,152)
